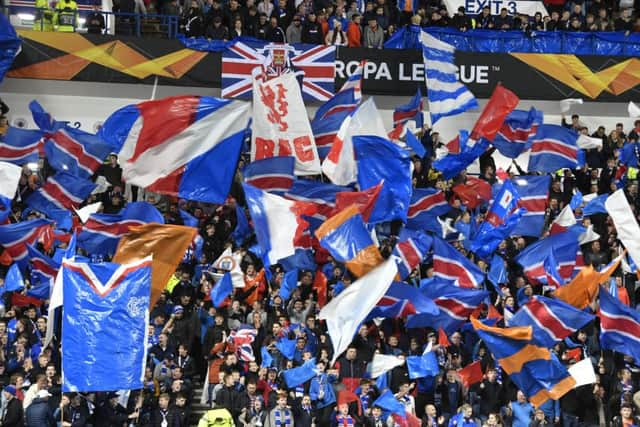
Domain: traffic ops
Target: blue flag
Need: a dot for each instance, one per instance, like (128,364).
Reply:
(302,259)
(9,45)
(516,132)
(75,151)
(452,164)
(267,359)
(595,205)
(287,347)
(43,119)
(188,219)
(221,290)
(554,147)
(415,145)
(388,402)
(289,283)
(100,302)
(242,230)
(423,366)
(576,200)
(301,374)
(497,271)
(13,281)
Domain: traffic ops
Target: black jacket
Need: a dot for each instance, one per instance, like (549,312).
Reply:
(170,414)
(231,399)
(14,417)
(110,416)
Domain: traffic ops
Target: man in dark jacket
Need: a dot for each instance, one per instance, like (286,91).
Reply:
(228,397)
(163,415)
(76,413)
(490,392)
(14,415)
(38,413)
(275,33)
(112,414)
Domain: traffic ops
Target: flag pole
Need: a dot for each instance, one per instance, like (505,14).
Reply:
(155,88)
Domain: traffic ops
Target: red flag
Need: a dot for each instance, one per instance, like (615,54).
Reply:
(493,313)
(501,103)
(454,145)
(346,396)
(443,340)
(364,200)
(19,300)
(575,353)
(471,374)
(409,420)
(473,192)
(320,285)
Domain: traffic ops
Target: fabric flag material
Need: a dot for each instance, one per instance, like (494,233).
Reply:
(101,232)
(10,45)
(500,104)
(633,110)
(15,237)
(415,145)
(446,95)
(425,203)
(322,196)
(221,290)
(344,313)
(422,366)
(278,222)
(20,146)
(287,347)
(345,100)
(565,104)
(100,302)
(289,284)
(471,374)
(497,271)
(474,192)
(365,200)
(554,147)
(242,338)
(345,236)
(300,375)
(411,111)
(383,363)
(267,359)
(75,151)
(167,244)
(516,132)
(43,119)
(452,164)
(552,272)
(86,211)
(414,302)
(564,245)
(273,174)
(595,205)
(626,226)
(381,160)
(184,146)
(13,281)
(563,221)
(277,129)
(450,264)
(9,179)
(583,372)
(43,269)
(411,252)
(537,372)
(340,163)
(388,402)
(61,191)
(620,326)
(243,229)
(552,320)
(534,193)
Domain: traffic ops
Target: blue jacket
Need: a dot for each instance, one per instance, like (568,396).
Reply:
(322,382)
(38,414)
(522,413)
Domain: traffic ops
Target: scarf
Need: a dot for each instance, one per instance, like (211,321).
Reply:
(345,421)
(287,417)
(364,398)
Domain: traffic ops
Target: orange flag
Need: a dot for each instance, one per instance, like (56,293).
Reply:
(320,286)
(165,243)
(584,287)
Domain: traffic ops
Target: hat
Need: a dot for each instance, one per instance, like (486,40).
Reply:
(178,309)
(11,390)
(43,393)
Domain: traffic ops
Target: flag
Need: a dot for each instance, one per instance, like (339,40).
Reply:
(450,264)
(10,45)
(75,151)
(452,164)
(345,100)
(563,221)
(365,200)
(554,147)
(289,284)
(322,196)
(474,192)
(267,359)
(243,229)
(320,286)
(443,340)
(552,272)
(10,175)
(425,203)
(595,205)
(533,369)
(43,269)
(345,236)
(242,339)
(167,244)
(552,320)
(300,375)
(411,252)
(101,232)
(101,301)
(415,145)
(43,119)
(619,326)
(61,191)
(471,374)
(411,111)
(326,130)
(514,137)
(455,304)
(344,313)
(564,245)
(277,222)
(340,164)
(630,154)
(583,288)
(184,146)
(188,219)
(381,160)
(302,259)
(500,104)
(277,128)
(273,174)
(422,366)
(446,95)
(20,146)
(221,290)
(383,363)
(15,237)
(388,402)
(413,301)
(13,281)
(286,347)
(497,272)
(533,192)
(627,228)
(240,59)
(500,221)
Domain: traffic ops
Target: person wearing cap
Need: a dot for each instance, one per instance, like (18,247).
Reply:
(38,413)
(14,414)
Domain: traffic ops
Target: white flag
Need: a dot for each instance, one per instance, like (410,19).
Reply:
(9,178)
(588,236)
(565,104)
(345,312)
(230,262)
(626,225)
(85,212)
(382,363)
(583,373)
(633,109)
(587,142)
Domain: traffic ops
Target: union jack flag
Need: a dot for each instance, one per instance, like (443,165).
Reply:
(242,340)
(315,63)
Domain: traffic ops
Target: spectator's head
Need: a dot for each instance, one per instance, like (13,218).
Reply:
(416,19)
(575,22)
(217,22)
(466,410)
(297,21)
(311,17)
(492,374)
(461,11)
(163,401)
(566,15)
(356,18)
(352,353)
(373,24)
(9,392)
(282,399)
(626,411)
(503,12)
(520,397)
(343,409)
(577,8)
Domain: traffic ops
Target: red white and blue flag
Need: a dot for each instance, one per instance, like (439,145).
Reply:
(532,258)
(242,338)
(61,191)
(316,62)
(74,151)
(516,132)
(619,326)
(15,237)
(534,195)
(411,252)
(272,174)
(554,147)
(411,299)
(410,111)
(21,146)
(426,203)
(450,264)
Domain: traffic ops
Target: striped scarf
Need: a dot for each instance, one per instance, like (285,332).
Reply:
(287,417)
(365,399)
(345,421)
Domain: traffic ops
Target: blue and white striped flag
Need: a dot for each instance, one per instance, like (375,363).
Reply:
(446,95)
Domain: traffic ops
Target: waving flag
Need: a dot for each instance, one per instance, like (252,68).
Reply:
(452,164)
(365,200)
(413,301)
(424,203)
(76,152)
(536,371)
(100,302)
(345,236)
(20,146)
(13,281)
(446,95)
(552,272)
(564,245)
(10,175)
(516,132)
(61,191)
(242,338)
(414,145)
(534,193)
(15,237)
(184,146)
(500,104)
(221,290)
(595,206)
(423,366)
(9,43)
(552,320)
(497,273)
(450,264)
(381,160)
(411,252)
(301,374)
(277,221)
(626,225)
(620,326)
(455,304)
(411,111)
(554,147)
(230,261)
(474,192)
(43,268)
(273,174)
(345,313)
(43,119)
(242,230)
(101,232)
(345,100)
(563,221)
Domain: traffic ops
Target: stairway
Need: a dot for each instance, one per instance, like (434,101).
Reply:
(197,409)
